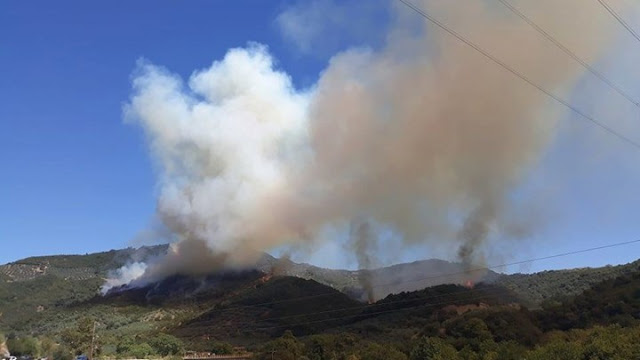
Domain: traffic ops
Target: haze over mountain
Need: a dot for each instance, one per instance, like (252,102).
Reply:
(251,306)
(85,274)
(386,280)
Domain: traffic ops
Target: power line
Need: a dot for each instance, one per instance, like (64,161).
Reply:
(520,262)
(569,52)
(619,18)
(366,314)
(530,82)
(487,292)
(471,44)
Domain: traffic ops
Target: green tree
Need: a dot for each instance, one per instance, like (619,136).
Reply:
(469,332)
(330,346)
(165,344)
(140,351)
(286,347)
(108,350)
(62,353)
(430,348)
(32,345)
(510,350)
(611,343)
(124,345)
(317,349)
(26,346)
(221,348)
(321,347)
(47,346)
(557,350)
(78,338)
(472,328)
(380,352)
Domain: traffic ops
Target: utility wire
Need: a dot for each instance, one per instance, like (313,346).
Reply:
(569,52)
(366,314)
(485,292)
(300,298)
(620,19)
(459,273)
(530,82)
(471,44)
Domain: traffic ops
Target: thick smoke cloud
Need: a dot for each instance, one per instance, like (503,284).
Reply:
(423,137)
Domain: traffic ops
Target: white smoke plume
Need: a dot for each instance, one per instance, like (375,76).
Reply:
(124,276)
(423,136)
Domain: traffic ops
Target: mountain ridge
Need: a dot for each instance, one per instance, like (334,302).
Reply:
(253,306)
(535,288)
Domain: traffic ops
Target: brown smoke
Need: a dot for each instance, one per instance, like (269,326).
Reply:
(364,244)
(425,128)
(425,136)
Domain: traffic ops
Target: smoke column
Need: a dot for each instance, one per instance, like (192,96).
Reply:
(364,241)
(423,136)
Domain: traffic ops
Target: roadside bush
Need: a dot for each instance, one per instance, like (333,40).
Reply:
(433,349)
(141,351)
(165,345)
(26,346)
(62,353)
(380,352)
(286,347)
(220,348)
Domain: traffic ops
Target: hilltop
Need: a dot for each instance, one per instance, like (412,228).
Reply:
(76,267)
(63,279)
(47,296)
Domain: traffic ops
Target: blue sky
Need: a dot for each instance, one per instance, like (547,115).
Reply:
(76,179)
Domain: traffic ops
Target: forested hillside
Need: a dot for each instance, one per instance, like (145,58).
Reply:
(291,317)
(552,286)
(46,301)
